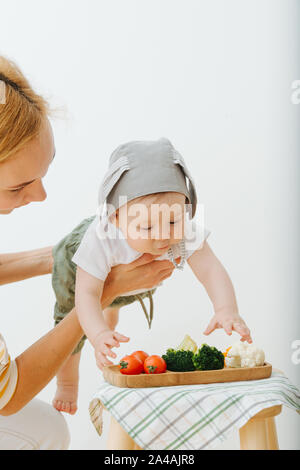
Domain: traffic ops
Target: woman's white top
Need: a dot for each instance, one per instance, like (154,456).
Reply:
(8,375)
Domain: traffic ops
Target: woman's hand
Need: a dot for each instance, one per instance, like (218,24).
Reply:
(142,273)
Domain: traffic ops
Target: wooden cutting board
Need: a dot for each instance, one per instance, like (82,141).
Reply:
(113,376)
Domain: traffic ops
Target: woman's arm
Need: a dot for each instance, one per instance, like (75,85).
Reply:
(24,265)
(41,361)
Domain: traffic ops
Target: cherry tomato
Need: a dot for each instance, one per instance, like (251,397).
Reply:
(142,355)
(155,365)
(130,365)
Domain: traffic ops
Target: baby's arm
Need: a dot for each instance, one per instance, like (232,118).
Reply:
(212,274)
(88,292)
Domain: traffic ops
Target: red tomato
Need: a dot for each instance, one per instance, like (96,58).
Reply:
(155,365)
(142,355)
(130,365)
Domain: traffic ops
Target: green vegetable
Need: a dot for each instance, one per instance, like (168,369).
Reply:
(208,358)
(179,361)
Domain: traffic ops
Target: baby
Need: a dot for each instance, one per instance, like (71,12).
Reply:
(148,209)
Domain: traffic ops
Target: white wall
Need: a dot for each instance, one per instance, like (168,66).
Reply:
(214,77)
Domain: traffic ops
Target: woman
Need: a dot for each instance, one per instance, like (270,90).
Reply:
(26,151)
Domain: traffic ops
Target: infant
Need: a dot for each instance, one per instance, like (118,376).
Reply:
(149,208)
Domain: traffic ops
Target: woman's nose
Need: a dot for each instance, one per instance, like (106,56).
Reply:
(35,192)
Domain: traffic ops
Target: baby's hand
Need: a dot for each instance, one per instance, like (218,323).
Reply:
(229,321)
(103,343)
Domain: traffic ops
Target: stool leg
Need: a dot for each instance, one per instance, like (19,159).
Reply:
(136,447)
(118,439)
(253,435)
(272,434)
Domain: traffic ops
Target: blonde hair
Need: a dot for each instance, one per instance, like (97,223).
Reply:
(22,111)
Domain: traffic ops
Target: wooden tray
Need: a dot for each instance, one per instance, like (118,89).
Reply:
(229,374)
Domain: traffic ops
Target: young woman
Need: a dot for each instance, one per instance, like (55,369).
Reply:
(26,151)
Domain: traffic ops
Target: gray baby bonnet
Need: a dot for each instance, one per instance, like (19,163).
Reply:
(139,168)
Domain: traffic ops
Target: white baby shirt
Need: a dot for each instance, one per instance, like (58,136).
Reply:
(104,246)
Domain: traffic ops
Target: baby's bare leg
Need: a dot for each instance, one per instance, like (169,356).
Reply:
(67,385)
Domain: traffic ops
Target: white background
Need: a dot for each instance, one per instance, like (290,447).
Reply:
(215,78)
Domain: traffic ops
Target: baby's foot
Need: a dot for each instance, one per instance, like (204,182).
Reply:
(66,397)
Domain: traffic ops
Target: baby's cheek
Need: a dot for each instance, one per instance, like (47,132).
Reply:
(143,246)
(177,233)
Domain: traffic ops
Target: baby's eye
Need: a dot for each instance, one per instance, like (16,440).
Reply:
(147,228)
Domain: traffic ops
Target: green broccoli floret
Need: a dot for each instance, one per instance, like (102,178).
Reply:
(179,360)
(208,358)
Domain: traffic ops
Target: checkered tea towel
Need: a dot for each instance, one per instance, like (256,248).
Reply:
(190,417)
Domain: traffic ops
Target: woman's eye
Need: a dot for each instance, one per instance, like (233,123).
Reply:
(15,190)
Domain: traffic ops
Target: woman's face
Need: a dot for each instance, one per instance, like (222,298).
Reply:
(21,175)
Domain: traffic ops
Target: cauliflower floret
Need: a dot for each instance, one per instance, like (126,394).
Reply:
(234,355)
(188,345)
(245,355)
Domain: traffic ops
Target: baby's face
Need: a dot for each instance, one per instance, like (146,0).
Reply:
(153,223)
